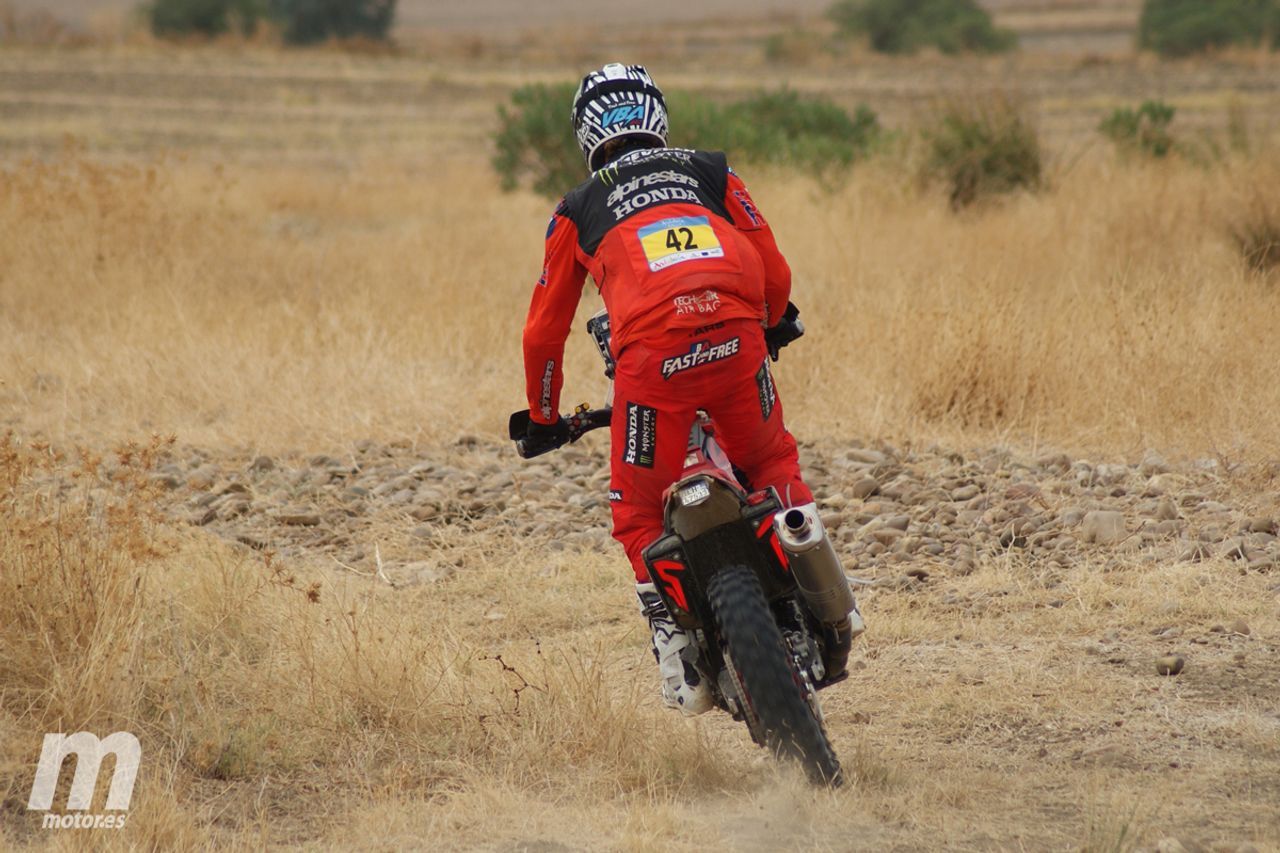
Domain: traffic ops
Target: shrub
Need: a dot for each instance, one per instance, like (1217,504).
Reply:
(983,147)
(202,17)
(1184,27)
(311,21)
(300,21)
(798,46)
(1257,234)
(1144,130)
(534,138)
(780,127)
(905,26)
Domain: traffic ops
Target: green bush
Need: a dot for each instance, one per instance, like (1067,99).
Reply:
(300,21)
(905,26)
(1184,27)
(202,17)
(311,21)
(1144,130)
(979,148)
(534,139)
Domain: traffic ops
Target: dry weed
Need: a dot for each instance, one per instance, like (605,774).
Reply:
(282,690)
(273,309)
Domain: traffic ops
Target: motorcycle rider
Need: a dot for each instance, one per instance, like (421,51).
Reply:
(691,276)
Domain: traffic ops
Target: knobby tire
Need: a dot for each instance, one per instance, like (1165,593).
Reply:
(774,690)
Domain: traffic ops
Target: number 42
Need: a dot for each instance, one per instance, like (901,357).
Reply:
(673,239)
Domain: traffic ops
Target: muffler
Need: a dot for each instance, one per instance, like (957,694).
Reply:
(816,567)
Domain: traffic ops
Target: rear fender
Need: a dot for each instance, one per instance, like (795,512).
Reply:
(701,501)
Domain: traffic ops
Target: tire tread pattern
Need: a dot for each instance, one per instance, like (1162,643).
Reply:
(760,655)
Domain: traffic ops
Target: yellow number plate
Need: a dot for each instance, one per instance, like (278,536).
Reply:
(679,239)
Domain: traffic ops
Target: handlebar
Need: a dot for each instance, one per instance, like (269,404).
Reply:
(581,422)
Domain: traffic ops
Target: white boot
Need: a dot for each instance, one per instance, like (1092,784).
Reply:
(683,686)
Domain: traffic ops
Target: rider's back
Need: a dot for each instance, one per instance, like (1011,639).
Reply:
(656,231)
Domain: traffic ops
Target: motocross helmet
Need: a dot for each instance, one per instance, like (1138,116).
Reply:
(618,100)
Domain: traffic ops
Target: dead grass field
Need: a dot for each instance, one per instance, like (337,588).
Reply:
(292,256)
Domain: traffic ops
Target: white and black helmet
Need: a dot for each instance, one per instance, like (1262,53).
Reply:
(618,100)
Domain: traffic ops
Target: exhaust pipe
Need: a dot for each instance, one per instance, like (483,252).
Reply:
(816,567)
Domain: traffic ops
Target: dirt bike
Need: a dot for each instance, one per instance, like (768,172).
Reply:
(758,587)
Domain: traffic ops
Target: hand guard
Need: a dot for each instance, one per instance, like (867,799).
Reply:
(556,433)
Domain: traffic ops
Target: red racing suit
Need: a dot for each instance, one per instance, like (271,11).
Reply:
(690,275)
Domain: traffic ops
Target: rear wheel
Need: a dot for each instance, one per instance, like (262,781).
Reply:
(776,695)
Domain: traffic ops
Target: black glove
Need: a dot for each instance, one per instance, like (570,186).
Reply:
(787,330)
(544,434)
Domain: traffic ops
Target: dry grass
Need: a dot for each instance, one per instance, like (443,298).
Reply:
(275,309)
(288,692)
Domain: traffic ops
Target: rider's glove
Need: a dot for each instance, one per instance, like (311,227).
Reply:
(555,433)
(787,330)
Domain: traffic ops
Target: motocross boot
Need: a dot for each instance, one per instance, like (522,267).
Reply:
(683,686)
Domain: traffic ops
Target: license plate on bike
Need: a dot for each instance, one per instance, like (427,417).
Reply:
(694,493)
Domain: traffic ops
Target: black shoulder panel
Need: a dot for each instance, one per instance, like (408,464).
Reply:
(643,179)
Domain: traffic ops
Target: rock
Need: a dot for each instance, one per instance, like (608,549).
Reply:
(965,493)
(1170,665)
(866,457)
(920,573)
(1152,464)
(298,518)
(836,501)
(1109,475)
(1210,533)
(1166,510)
(1235,550)
(1022,492)
(424,572)
(887,536)
(1239,626)
(1199,553)
(1058,462)
(202,478)
(1263,525)
(899,522)
(233,505)
(262,464)
(1103,527)
(865,488)
(253,540)
(201,517)
(1071,516)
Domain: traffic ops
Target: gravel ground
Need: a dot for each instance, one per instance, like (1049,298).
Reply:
(898,516)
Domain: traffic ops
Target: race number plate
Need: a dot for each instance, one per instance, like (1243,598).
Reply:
(679,239)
